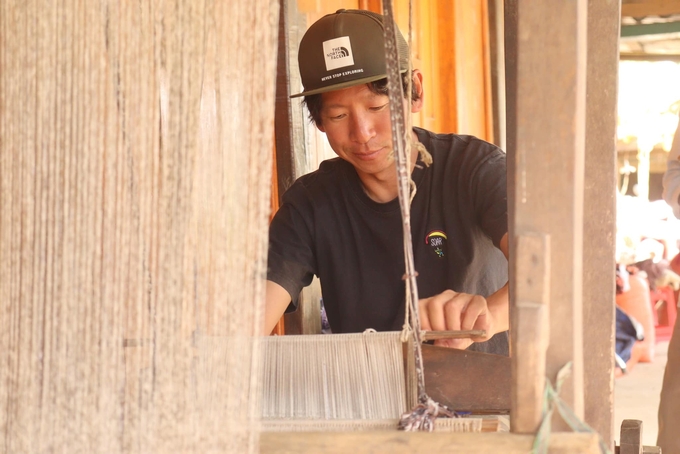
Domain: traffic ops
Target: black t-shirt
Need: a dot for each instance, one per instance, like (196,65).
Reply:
(327,226)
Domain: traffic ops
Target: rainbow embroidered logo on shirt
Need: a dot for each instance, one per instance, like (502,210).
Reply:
(437,241)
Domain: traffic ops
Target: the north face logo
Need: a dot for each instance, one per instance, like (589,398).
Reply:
(338,53)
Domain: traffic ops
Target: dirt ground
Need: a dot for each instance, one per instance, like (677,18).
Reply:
(636,395)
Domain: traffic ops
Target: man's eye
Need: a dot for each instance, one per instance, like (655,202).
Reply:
(337,117)
(379,108)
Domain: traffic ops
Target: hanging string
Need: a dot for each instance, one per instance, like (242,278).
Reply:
(407,327)
(423,415)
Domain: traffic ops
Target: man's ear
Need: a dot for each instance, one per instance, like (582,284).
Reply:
(320,127)
(417,81)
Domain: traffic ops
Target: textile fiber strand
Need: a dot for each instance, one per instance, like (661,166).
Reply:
(135,168)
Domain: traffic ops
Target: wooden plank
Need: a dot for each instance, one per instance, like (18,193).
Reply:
(438,114)
(510,73)
(471,70)
(497,69)
(291,159)
(599,214)
(371,5)
(420,443)
(548,73)
(645,450)
(531,331)
(642,8)
(641,56)
(466,380)
(288,117)
(445,46)
(308,6)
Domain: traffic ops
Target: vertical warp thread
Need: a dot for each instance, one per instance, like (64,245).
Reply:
(112,240)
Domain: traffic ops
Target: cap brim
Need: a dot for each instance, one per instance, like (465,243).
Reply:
(340,86)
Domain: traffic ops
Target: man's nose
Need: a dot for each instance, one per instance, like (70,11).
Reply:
(362,129)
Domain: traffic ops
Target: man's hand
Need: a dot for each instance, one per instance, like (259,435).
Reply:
(456,311)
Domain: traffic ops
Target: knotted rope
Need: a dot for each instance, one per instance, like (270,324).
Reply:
(423,415)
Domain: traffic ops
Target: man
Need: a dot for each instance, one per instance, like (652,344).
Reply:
(669,407)
(343,222)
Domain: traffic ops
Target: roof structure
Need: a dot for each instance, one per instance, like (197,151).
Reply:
(650,30)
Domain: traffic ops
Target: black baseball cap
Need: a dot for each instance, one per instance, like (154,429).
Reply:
(344,49)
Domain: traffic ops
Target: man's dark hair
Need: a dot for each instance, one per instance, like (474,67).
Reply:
(379,87)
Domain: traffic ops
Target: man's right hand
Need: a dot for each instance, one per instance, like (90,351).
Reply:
(452,311)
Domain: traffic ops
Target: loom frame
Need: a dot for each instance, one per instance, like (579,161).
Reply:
(544,234)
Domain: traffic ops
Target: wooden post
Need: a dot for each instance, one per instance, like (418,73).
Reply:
(547,64)
(600,215)
(289,117)
(497,68)
(531,331)
(292,159)
(631,437)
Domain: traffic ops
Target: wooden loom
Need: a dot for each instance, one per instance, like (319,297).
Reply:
(361,380)
(531,235)
(367,381)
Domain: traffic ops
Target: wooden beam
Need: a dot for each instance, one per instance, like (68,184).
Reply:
(631,437)
(497,68)
(396,442)
(599,214)
(291,159)
(371,5)
(643,8)
(289,117)
(531,331)
(546,69)
(640,56)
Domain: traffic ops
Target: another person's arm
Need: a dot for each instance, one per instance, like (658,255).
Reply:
(452,311)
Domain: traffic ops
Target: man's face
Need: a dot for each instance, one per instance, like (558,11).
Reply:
(357,124)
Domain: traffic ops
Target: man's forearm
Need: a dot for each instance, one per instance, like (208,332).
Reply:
(276,302)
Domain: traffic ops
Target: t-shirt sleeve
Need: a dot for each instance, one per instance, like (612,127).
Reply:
(489,190)
(291,257)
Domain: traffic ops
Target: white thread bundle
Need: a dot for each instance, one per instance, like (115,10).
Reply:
(342,382)
(339,377)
